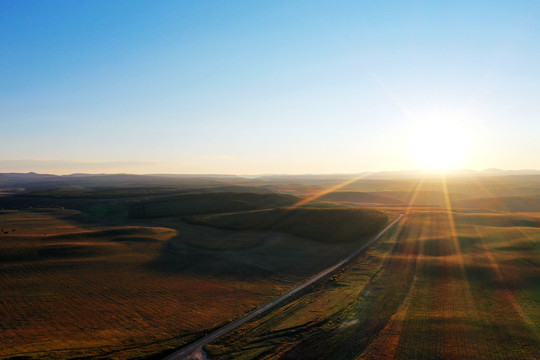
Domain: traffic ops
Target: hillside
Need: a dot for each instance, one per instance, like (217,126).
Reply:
(359,197)
(207,203)
(325,225)
(512,203)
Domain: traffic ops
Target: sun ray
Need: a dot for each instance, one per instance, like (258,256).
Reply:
(505,290)
(327,191)
(414,194)
(392,97)
(454,236)
(486,190)
(451,221)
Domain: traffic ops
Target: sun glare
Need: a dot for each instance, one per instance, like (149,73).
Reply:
(439,144)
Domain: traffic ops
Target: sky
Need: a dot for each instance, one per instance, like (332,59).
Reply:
(260,87)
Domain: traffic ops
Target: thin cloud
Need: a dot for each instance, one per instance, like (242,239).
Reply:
(216,157)
(66,166)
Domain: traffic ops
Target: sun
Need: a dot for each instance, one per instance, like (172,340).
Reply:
(439,144)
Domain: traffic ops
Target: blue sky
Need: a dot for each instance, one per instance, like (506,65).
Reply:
(267,87)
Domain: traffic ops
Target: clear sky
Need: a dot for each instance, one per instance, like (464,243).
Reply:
(252,87)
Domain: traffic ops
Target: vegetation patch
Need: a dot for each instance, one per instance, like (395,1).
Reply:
(529,203)
(207,203)
(64,251)
(360,197)
(231,242)
(326,225)
(120,233)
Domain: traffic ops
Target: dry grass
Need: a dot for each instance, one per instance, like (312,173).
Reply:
(69,291)
(442,292)
(448,284)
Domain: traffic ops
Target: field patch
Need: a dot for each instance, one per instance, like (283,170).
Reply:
(446,290)
(360,197)
(231,242)
(119,234)
(530,203)
(138,271)
(70,289)
(207,203)
(325,225)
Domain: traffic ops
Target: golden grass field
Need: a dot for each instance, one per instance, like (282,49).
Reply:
(70,289)
(450,282)
(67,292)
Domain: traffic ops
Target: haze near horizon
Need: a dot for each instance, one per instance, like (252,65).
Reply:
(257,88)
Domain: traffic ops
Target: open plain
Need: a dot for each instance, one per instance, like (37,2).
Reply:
(138,272)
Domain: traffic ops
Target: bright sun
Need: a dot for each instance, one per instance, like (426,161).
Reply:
(439,145)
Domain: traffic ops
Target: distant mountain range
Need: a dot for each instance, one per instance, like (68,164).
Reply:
(39,181)
(34,180)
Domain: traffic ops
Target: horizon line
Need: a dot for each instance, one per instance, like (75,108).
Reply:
(425,171)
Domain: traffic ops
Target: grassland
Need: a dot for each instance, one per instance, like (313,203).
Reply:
(88,272)
(524,203)
(207,203)
(83,283)
(336,225)
(449,284)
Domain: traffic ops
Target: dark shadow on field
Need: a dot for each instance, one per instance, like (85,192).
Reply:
(197,262)
(468,243)
(429,330)
(436,247)
(481,275)
(443,246)
(199,250)
(345,331)
(498,220)
(520,246)
(196,250)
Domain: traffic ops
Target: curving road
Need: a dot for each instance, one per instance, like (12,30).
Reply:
(197,345)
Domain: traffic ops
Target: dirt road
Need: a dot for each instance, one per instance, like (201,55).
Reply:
(197,345)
